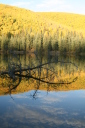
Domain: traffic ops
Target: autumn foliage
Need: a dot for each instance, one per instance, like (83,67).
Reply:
(25,30)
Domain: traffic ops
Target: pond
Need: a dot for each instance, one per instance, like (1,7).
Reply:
(42,92)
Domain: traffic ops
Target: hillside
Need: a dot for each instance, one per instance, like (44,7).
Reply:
(72,21)
(22,29)
(14,19)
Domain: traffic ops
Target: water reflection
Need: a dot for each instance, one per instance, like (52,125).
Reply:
(50,72)
(54,110)
(45,92)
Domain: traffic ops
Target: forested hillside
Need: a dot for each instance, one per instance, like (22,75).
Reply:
(25,30)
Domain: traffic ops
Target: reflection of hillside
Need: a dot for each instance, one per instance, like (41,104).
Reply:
(24,73)
(26,86)
(32,59)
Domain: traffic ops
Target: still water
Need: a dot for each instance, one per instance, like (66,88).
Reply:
(42,92)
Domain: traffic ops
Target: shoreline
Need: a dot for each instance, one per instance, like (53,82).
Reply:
(52,53)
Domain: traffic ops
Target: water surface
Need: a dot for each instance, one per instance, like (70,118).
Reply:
(37,104)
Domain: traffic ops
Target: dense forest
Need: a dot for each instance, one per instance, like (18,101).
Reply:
(25,30)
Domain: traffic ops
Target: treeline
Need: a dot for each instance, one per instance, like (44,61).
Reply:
(43,41)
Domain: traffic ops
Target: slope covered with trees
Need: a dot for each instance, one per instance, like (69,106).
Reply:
(25,30)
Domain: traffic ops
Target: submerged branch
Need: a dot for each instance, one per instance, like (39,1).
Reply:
(39,79)
(16,71)
(39,66)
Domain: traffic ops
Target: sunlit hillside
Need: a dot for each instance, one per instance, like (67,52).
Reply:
(73,21)
(22,29)
(13,19)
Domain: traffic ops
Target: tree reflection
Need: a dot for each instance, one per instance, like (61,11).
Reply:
(43,72)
